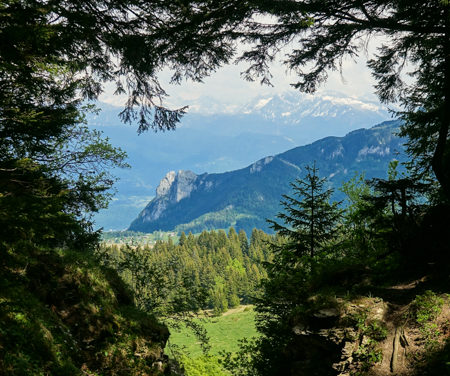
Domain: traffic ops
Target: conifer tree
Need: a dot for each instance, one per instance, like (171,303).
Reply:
(395,208)
(182,239)
(309,218)
(308,230)
(243,241)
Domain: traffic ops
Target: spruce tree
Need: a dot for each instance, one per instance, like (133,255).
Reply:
(305,236)
(243,242)
(309,217)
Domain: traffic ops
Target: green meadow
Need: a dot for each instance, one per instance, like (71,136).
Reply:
(224,332)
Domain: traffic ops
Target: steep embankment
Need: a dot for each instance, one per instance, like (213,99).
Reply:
(63,314)
(245,198)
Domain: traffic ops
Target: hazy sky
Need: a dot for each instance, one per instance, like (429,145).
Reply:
(227,87)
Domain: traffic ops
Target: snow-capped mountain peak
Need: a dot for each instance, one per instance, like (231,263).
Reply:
(293,106)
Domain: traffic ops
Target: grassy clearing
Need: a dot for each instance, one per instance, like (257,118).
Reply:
(224,331)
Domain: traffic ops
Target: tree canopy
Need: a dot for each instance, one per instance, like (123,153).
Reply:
(212,270)
(411,66)
(67,51)
(58,51)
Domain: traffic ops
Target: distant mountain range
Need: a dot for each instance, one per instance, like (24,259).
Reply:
(214,138)
(244,198)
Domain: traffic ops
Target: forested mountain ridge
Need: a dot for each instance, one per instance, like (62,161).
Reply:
(225,139)
(245,198)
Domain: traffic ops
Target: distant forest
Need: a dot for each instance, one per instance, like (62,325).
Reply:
(213,270)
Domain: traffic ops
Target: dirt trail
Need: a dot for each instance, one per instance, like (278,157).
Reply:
(238,309)
(404,341)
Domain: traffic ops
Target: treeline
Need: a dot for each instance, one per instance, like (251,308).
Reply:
(213,270)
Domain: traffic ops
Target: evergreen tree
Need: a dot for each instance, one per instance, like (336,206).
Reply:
(201,272)
(394,209)
(306,234)
(243,241)
(309,218)
(357,227)
(182,239)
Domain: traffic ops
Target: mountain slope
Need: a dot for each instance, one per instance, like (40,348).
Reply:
(225,139)
(245,198)
(63,314)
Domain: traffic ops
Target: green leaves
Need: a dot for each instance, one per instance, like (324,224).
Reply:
(210,271)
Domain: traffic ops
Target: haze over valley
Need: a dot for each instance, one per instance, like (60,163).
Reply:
(212,139)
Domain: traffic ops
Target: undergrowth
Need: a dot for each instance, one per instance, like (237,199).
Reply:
(63,314)
(426,308)
(370,334)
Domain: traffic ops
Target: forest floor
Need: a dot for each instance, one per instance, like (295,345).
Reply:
(417,329)
(415,315)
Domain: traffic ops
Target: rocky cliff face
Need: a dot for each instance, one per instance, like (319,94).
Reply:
(172,189)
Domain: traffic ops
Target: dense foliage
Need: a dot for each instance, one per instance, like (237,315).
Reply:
(60,315)
(210,271)
(311,236)
(63,50)
(322,263)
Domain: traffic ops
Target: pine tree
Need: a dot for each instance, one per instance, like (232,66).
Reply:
(243,242)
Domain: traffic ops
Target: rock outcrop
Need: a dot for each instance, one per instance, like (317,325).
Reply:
(171,189)
(197,202)
(372,336)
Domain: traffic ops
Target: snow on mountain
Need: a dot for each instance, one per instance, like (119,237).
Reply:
(289,107)
(218,137)
(292,107)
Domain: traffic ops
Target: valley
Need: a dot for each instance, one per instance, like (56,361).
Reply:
(224,140)
(224,332)
(245,198)
(224,188)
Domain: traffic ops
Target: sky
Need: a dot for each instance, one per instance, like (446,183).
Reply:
(228,88)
